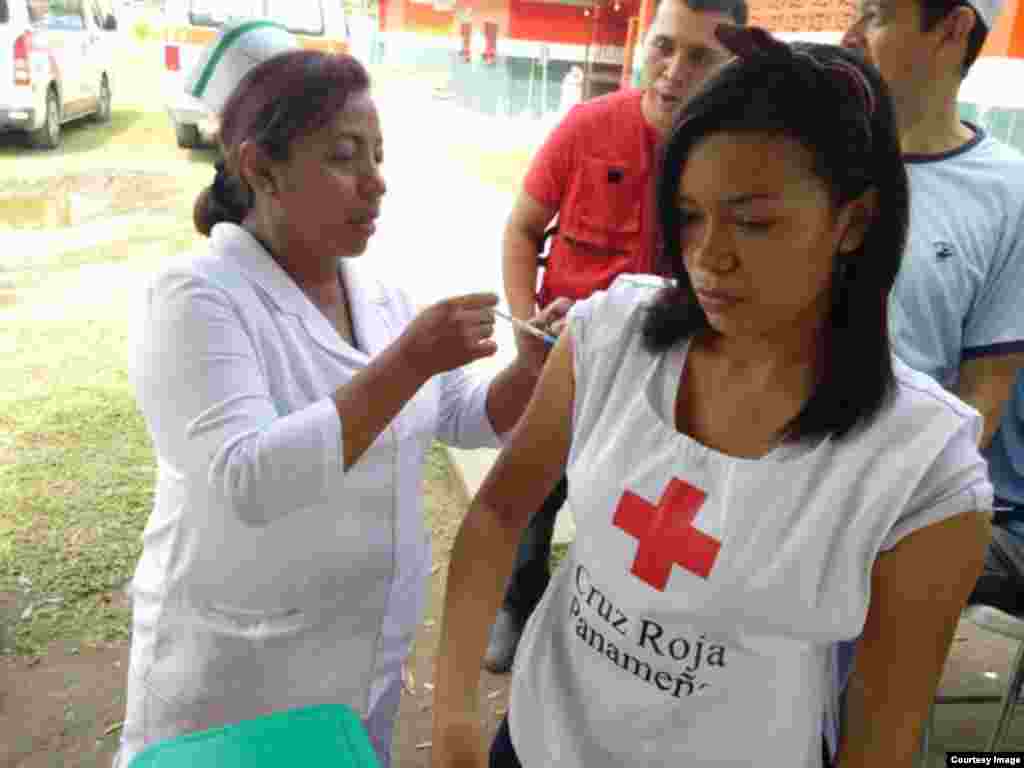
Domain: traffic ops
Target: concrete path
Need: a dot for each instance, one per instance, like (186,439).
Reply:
(439,234)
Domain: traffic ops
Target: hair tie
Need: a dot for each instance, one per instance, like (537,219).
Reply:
(227,193)
(220,183)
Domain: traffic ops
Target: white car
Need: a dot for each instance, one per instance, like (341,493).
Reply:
(54,65)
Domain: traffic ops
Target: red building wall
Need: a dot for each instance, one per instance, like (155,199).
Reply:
(555,23)
(423,18)
(548,22)
(493,11)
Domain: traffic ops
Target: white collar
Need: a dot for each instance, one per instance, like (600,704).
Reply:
(365,291)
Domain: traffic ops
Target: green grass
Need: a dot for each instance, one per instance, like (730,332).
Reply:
(76,466)
(135,137)
(76,502)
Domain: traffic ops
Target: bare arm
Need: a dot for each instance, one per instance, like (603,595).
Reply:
(447,335)
(369,401)
(484,550)
(917,592)
(511,390)
(985,384)
(523,234)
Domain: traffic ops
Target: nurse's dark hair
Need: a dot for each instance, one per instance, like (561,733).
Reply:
(839,109)
(284,98)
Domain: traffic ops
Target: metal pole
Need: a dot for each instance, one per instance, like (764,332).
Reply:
(529,92)
(544,87)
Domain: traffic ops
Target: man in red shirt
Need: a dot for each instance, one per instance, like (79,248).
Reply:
(594,173)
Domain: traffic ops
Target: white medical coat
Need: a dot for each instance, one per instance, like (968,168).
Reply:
(270,577)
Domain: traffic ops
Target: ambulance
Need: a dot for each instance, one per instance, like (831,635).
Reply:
(190,25)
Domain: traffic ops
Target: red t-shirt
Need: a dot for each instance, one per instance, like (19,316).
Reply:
(596,168)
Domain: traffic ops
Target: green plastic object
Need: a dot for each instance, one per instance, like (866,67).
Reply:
(327,735)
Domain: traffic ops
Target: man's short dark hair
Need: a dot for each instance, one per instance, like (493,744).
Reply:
(735,8)
(934,11)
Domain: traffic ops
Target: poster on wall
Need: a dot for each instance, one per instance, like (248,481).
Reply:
(803,15)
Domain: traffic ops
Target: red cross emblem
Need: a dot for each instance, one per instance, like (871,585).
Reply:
(666,533)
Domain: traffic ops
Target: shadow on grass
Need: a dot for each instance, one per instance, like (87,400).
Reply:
(132,132)
(79,136)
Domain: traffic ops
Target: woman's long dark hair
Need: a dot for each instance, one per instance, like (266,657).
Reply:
(799,92)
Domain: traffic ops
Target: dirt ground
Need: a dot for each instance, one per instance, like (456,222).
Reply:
(64,707)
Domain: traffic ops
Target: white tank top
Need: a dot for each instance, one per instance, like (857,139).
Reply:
(695,613)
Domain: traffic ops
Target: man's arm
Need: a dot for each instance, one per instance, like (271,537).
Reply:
(524,232)
(985,383)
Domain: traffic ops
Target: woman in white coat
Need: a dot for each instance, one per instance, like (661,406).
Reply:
(291,397)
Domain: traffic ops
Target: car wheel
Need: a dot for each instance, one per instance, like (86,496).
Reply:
(48,134)
(103,105)
(187,135)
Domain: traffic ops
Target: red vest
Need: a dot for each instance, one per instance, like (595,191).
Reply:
(606,208)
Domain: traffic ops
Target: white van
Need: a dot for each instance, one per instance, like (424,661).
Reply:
(55,65)
(190,25)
